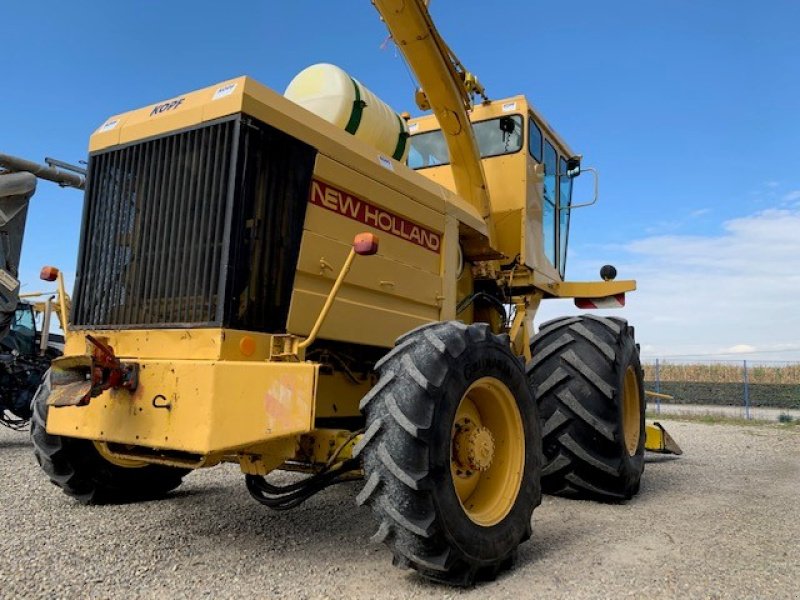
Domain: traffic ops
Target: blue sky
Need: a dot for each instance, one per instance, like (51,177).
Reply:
(687,108)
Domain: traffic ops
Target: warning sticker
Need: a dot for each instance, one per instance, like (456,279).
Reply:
(385,162)
(108,126)
(7,281)
(509,106)
(225,90)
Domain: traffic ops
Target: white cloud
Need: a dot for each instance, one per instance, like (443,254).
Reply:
(699,212)
(792,197)
(736,292)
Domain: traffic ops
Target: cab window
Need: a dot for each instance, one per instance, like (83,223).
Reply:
(550,201)
(24,329)
(535,141)
(495,137)
(23,320)
(427,150)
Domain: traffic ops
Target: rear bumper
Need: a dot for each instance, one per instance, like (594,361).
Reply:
(199,407)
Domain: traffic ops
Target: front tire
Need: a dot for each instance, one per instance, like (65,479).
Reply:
(78,467)
(451,452)
(586,377)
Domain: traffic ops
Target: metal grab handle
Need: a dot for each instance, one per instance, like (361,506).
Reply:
(596,190)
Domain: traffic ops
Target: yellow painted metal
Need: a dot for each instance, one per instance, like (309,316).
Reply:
(320,251)
(339,396)
(453,269)
(63,303)
(61,307)
(487,451)
(307,452)
(631,411)
(658,440)
(268,456)
(126,463)
(591,289)
(197,407)
(650,394)
(399,287)
(434,65)
(326,446)
(524,279)
(166,344)
(382,318)
(520,342)
(326,308)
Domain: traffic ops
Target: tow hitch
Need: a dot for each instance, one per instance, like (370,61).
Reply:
(76,380)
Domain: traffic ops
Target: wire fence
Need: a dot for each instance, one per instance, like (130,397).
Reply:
(726,383)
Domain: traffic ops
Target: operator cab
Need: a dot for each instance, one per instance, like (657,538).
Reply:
(21,336)
(529,171)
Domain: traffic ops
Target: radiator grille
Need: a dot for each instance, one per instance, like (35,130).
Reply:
(154,229)
(200,228)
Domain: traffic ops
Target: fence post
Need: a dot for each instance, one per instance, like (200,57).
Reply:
(746,393)
(658,388)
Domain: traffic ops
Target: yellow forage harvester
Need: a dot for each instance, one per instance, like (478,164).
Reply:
(319,284)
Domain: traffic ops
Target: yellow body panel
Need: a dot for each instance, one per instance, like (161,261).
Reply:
(166,344)
(337,396)
(254,99)
(198,407)
(358,315)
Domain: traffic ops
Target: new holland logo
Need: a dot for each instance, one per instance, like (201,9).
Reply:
(362,211)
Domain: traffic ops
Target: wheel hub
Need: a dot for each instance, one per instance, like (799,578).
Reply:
(474,447)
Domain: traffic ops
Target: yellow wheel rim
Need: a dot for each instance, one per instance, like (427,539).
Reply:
(126,463)
(631,411)
(487,451)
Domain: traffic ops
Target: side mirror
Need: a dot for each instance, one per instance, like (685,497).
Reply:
(507,125)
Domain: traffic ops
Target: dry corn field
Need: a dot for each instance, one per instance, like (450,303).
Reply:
(723,383)
(724,373)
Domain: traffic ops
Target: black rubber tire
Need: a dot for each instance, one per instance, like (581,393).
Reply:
(406,451)
(577,376)
(75,465)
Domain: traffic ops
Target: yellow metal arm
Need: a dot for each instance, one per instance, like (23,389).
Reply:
(658,440)
(590,289)
(329,301)
(448,93)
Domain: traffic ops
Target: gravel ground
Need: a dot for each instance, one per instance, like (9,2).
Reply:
(722,521)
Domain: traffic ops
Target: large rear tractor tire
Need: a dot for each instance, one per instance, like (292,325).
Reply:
(84,471)
(452,452)
(587,380)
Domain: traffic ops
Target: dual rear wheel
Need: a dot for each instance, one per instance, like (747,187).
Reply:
(588,383)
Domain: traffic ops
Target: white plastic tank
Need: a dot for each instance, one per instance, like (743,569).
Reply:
(330,93)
